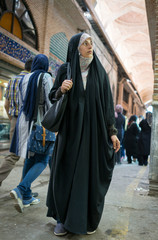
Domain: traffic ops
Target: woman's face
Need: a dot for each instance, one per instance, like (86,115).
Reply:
(86,48)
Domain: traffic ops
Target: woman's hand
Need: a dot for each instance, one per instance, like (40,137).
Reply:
(66,85)
(116,143)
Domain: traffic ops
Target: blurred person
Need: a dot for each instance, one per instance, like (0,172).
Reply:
(83,157)
(144,139)
(34,163)
(120,126)
(140,118)
(50,159)
(123,154)
(131,139)
(11,106)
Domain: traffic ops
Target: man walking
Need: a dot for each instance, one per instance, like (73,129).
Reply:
(11,107)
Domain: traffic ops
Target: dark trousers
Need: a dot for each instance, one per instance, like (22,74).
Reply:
(143,160)
(129,158)
(118,157)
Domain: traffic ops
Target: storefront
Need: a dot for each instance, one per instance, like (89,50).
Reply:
(28,28)
(15,23)
(7,71)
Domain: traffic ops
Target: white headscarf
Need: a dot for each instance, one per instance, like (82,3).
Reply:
(83,37)
(84,62)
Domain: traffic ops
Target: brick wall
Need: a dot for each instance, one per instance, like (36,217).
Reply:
(153,166)
(51,18)
(108,63)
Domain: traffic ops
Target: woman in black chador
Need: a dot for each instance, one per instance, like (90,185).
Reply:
(144,139)
(83,158)
(131,139)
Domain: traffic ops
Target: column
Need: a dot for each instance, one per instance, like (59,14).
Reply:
(130,102)
(120,95)
(153,167)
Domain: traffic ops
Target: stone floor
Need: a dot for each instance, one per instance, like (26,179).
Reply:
(129,213)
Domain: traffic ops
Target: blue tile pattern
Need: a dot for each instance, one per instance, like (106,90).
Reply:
(57,54)
(14,49)
(54,64)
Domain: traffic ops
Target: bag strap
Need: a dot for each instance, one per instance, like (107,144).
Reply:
(38,97)
(44,137)
(68,71)
(36,107)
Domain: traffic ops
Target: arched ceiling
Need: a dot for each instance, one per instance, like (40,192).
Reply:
(125,23)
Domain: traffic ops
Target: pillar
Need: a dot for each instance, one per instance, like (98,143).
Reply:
(130,102)
(153,167)
(120,95)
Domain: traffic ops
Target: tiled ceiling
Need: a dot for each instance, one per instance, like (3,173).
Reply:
(125,23)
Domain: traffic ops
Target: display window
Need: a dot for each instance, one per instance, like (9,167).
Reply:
(4,121)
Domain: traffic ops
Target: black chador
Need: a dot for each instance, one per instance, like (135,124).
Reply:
(83,158)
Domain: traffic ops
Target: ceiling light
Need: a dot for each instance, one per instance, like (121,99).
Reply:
(5,84)
(88,15)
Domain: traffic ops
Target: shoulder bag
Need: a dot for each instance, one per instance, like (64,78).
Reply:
(41,141)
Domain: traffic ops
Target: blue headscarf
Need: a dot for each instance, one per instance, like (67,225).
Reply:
(40,64)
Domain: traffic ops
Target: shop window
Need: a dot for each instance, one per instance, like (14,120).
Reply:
(16,19)
(6,21)
(4,121)
(4,131)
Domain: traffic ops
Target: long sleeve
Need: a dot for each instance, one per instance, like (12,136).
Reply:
(48,84)
(112,130)
(55,92)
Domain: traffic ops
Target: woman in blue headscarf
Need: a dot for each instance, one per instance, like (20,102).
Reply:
(34,163)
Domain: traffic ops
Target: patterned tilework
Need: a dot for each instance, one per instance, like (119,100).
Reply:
(14,49)
(58,52)
(54,64)
(59,45)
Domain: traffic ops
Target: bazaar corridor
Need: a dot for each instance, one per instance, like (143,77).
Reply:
(129,212)
(123,40)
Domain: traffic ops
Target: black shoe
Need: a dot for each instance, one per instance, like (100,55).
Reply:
(35,194)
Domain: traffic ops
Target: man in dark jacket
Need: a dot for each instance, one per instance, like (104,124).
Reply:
(120,125)
(11,107)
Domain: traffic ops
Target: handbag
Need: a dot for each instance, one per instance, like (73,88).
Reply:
(41,141)
(53,117)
